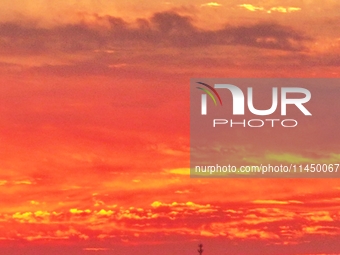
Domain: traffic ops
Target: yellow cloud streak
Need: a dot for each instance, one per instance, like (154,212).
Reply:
(211,4)
(179,171)
(280,9)
(252,8)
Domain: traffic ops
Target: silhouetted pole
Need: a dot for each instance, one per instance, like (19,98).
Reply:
(200,250)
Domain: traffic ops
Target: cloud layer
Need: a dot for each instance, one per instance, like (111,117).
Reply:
(164,29)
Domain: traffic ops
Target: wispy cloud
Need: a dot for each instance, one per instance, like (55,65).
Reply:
(211,4)
(280,9)
(164,29)
(251,7)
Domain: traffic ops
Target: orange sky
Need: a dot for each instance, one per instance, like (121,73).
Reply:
(94,134)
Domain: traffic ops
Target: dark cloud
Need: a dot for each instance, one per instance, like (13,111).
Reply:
(164,29)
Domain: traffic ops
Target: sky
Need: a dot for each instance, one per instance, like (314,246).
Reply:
(94,134)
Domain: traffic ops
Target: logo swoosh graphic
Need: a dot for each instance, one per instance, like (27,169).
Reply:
(209,93)
(212,89)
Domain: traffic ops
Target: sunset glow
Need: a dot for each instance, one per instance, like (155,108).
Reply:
(94,129)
